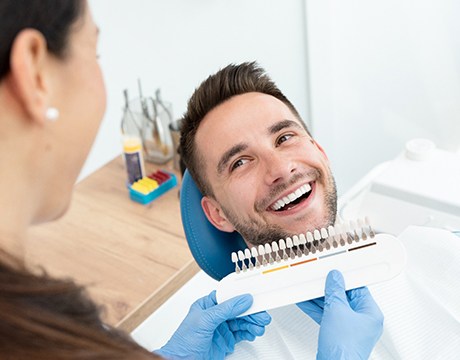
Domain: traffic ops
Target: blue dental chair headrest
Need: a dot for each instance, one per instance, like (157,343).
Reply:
(210,247)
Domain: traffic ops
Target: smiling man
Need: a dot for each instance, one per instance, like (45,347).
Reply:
(262,174)
(253,159)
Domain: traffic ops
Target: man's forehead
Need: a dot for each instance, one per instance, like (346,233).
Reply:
(256,110)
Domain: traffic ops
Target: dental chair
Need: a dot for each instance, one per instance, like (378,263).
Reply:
(210,247)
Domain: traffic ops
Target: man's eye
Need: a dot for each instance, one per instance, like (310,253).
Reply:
(238,163)
(283,138)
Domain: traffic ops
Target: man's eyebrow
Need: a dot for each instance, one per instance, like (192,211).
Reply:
(282,125)
(225,158)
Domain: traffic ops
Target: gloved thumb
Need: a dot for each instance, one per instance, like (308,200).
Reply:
(335,288)
(230,308)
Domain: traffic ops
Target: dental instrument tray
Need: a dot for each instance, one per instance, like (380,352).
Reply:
(294,269)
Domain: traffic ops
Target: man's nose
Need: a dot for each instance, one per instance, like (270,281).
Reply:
(278,168)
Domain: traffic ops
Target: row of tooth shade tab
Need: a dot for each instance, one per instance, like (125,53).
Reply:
(303,244)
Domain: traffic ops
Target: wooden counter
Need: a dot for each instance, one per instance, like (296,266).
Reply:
(132,257)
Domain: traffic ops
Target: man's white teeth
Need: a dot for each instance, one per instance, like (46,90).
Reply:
(291,197)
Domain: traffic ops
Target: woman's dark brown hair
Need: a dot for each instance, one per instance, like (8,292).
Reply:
(46,318)
(42,317)
(53,18)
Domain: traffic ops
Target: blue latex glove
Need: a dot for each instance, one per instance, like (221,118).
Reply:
(351,322)
(313,308)
(210,331)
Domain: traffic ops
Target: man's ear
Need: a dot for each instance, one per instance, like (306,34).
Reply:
(320,148)
(215,214)
(28,61)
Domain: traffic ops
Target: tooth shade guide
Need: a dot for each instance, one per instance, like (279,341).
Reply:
(255,255)
(289,245)
(324,238)
(241,258)
(302,239)
(327,255)
(368,224)
(317,241)
(268,251)
(312,243)
(296,242)
(247,254)
(235,261)
(300,279)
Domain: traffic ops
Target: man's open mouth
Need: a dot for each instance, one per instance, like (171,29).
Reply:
(292,199)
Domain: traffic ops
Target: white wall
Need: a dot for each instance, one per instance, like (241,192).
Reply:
(175,44)
(382,72)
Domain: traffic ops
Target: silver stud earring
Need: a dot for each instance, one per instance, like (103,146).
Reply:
(52,114)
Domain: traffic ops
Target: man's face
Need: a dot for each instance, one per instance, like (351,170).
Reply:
(269,178)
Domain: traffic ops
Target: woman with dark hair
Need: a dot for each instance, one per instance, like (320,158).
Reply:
(52,99)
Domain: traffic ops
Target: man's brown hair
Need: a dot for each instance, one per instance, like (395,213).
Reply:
(216,89)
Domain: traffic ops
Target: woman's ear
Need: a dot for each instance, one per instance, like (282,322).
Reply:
(215,214)
(27,78)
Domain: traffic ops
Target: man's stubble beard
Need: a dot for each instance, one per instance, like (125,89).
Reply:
(256,232)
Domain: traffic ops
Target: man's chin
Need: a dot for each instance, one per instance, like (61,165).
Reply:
(302,224)
(267,237)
